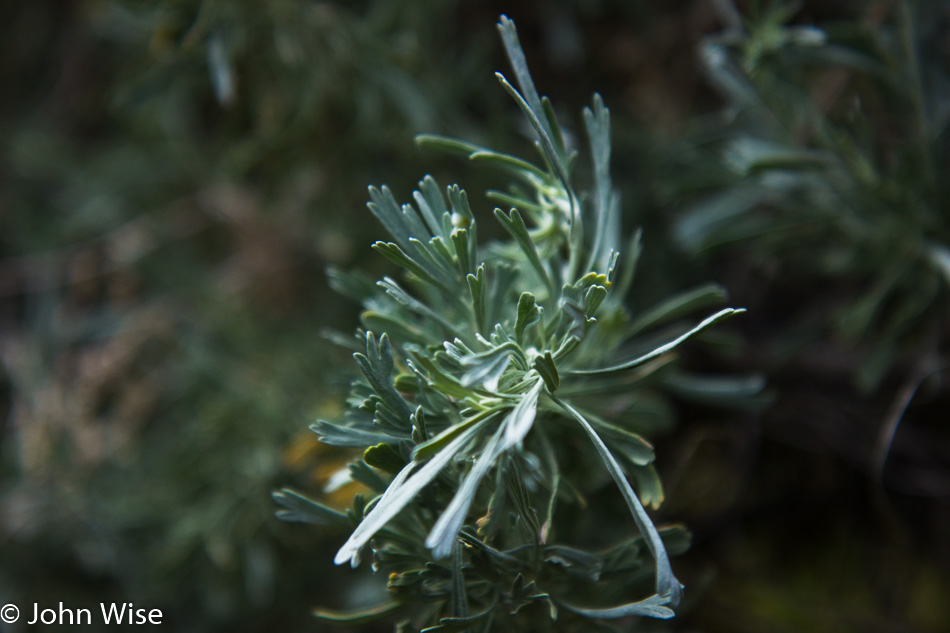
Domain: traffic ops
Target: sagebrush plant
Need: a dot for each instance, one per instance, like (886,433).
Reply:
(501,374)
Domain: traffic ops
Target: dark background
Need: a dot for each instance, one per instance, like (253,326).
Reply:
(176,175)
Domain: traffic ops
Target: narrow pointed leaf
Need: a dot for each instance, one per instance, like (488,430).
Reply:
(679,305)
(666,583)
(443,439)
(336,435)
(521,418)
(653,607)
(663,349)
(296,507)
(547,369)
(442,539)
(447,144)
(410,480)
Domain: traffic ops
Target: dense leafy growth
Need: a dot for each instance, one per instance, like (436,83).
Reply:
(495,362)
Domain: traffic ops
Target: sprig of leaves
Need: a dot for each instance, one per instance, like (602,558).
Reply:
(472,397)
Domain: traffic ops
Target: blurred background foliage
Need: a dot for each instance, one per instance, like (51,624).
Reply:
(175,175)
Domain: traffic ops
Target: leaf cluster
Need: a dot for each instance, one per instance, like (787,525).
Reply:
(493,364)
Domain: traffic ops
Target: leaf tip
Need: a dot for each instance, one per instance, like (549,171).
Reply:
(345,554)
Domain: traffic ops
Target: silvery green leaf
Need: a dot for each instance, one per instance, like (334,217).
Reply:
(442,539)
(221,68)
(456,350)
(493,519)
(577,318)
(476,286)
(386,421)
(663,349)
(606,219)
(377,366)
(419,426)
(529,313)
(549,152)
(567,345)
(487,367)
(634,446)
(519,421)
(514,224)
(346,341)
(336,435)
(434,251)
(431,205)
(362,473)
(557,135)
(516,200)
(458,200)
(398,256)
(547,369)
(407,484)
(336,481)
(443,439)
(299,508)
(676,538)
(441,381)
(653,607)
(403,298)
(592,300)
(438,246)
(465,252)
(679,305)
(519,167)
(383,205)
(447,144)
(612,261)
(509,37)
(668,588)
(530,102)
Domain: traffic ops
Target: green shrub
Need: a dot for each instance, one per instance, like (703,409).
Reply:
(510,382)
